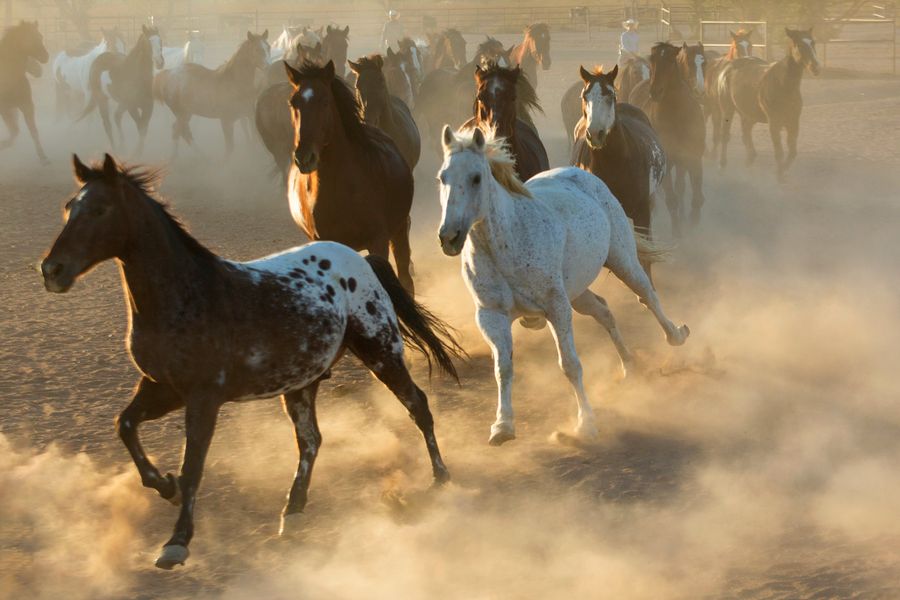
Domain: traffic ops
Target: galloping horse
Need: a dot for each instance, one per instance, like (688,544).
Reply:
(691,63)
(129,81)
(676,114)
(20,45)
(534,50)
(616,142)
(335,43)
(496,101)
(349,182)
(226,93)
(741,47)
(384,111)
(72,72)
(770,94)
(446,49)
(204,331)
(530,251)
(400,75)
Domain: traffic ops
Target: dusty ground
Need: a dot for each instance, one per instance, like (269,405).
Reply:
(758,461)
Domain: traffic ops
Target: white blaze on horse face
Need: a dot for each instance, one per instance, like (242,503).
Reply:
(307,94)
(812,50)
(464,178)
(600,111)
(76,205)
(698,70)
(745,44)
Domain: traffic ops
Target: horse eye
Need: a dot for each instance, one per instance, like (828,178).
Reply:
(476,180)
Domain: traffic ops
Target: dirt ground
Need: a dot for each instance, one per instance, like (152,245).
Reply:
(757,461)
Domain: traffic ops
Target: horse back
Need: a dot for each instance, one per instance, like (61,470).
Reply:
(406,134)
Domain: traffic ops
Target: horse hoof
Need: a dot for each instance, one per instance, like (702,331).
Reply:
(441,477)
(501,433)
(586,432)
(289,523)
(680,336)
(175,498)
(172,555)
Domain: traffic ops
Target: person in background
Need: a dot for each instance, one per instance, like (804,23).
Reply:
(629,43)
(393,30)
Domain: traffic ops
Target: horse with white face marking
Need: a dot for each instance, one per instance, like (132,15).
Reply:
(204,331)
(530,251)
(616,142)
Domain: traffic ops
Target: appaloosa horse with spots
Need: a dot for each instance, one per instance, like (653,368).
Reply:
(18,47)
(349,182)
(616,142)
(496,107)
(529,253)
(204,331)
(770,94)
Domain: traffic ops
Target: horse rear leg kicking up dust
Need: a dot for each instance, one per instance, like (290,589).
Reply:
(530,251)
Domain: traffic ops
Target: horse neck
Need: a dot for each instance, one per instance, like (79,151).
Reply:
(159,270)
(498,215)
(237,68)
(732,52)
(140,55)
(10,53)
(334,153)
(793,71)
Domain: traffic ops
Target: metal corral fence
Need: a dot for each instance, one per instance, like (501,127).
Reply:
(857,36)
(716,34)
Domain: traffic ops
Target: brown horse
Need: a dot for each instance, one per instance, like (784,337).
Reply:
(770,94)
(496,103)
(128,80)
(446,49)
(349,182)
(677,117)
(400,75)
(534,50)
(741,47)
(226,94)
(691,63)
(335,42)
(616,142)
(204,331)
(19,47)
(275,71)
(384,111)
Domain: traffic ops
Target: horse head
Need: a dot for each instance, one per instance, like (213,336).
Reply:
(598,104)
(803,49)
(538,38)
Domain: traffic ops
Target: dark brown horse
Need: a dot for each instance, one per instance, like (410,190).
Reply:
(635,70)
(335,42)
(446,49)
(496,102)
(349,182)
(616,142)
(384,111)
(204,331)
(691,63)
(400,75)
(226,93)
(128,80)
(19,47)
(741,47)
(770,94)
(677,117)
(534,50)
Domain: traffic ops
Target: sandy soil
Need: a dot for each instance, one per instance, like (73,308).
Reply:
(758,461)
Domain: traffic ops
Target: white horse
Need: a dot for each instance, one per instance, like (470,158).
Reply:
(530,251)
(72,73)
(193,51)
(285,45)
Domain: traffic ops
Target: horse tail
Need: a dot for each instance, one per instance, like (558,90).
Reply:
(649,250)
(419,327)
(97,98)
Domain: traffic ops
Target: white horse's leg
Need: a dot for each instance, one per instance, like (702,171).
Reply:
(560,317)
(496,327)
(623,262)
(592,305)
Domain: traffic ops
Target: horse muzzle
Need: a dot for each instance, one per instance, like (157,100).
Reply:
(452,242)
(57,277)
(306,162)
(595,141)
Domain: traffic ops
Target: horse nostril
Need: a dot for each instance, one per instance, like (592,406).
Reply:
(51,268)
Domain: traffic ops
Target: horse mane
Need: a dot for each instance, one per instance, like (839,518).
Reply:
(233,58)
(526,95)
(349,110)
(369,63)
(499,157)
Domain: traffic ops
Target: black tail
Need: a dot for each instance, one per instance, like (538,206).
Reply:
(97,98)
(419,327)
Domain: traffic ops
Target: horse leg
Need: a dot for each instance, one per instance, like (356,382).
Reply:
(103,108)
(715,114)
(300,406)
(228,132)
(151,401)
(592,305)
(200,423)
(11,119)
(775,134)
(695,170)
(747,136)
(793,132)
(382,352)
(623,262)
(496,328)
(559,315)
(28,114)
(726,115)
(403,257)
(672,202)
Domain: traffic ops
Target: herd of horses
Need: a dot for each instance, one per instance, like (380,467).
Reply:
(345,137)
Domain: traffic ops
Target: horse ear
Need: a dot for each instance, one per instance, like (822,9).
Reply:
(612,74)
(292,74)
(110,168)
(265,34)
(447,137)
(347,30)
(478,138)
(83,173)
(353,66)
(379,61)
(585,74)
(329,70)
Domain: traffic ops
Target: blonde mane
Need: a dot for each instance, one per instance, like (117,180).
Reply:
(499,157)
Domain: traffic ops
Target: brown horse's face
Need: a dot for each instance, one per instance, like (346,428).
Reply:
(488,51)
(95,227)
(31,42)
(335,44)
(313,112)
(258,49)
(663,69)
(150,36)
(539,36)
(741,43)
(692,64)
(803,49)
(371,88)
(598,105)
(399,74)
(495,100)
